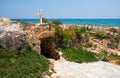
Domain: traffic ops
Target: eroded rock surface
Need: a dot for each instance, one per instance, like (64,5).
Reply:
(16,36)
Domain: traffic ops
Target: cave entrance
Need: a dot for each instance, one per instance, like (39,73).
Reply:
(48,48)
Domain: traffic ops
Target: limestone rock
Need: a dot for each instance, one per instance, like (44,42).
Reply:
(16,37)
(15,41)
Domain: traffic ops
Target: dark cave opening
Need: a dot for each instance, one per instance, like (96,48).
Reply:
(48,48)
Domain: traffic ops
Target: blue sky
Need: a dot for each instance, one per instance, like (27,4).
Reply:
(60,8)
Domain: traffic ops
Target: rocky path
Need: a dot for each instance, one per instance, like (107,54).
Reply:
(66,69)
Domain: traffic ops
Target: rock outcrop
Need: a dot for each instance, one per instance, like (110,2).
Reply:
(16,36)
(36,33)
(15,41)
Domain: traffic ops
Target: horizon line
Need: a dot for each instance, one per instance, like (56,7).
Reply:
(66,18)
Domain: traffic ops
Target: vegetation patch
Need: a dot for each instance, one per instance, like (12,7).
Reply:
(57,22)
(79,55)
(112,58)
(28,64)
(113,30)
(100,35)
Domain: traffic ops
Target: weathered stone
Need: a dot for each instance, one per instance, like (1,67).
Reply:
(16,37)
(14,41)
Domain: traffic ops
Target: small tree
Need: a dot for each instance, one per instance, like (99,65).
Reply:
(45,20)
(56,22)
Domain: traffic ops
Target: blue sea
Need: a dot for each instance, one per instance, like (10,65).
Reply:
(103,22)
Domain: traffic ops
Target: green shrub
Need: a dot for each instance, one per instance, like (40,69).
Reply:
(104,56)
(68,35)
(28,64)
(44,20)
(79,55)
(58,38)
(108,57)
(57,22)
(113,30)
(63,36)
(81,30)
(100,35)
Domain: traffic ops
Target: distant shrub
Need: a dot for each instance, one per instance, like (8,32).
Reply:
(58,30)
(56,22)
(22,22)
(81,30)
(68,35)
(44,20)
(58,37)
(100,35)
(28,64)
(113,30)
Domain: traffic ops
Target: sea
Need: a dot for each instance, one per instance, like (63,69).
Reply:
(100,22)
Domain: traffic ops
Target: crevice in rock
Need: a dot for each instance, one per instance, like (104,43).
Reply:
(48,48)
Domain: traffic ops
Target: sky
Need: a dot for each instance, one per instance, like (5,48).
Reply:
(76,9)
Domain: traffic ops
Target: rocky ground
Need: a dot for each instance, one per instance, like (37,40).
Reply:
(66,69)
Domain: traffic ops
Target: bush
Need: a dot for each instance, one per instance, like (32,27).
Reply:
(100,35)
(105,56)
(68,35)
(44,20)
(63,36)
(56,22)
(22,22)
(113,30)
(81,30)
(28,64)
(79,55)
(58,38)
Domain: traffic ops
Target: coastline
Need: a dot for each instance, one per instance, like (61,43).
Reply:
(98,22)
